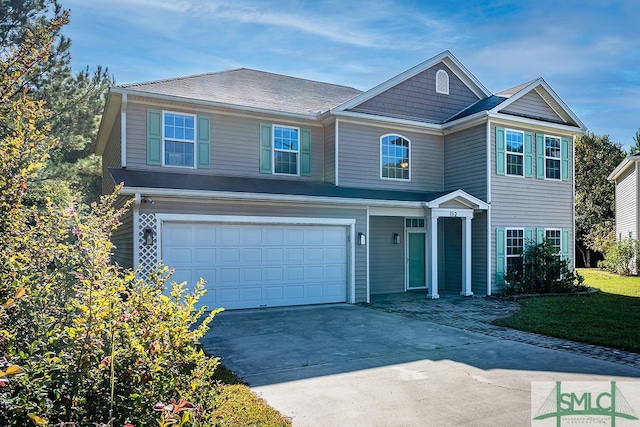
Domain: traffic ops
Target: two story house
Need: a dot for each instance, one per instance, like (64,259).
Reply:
(284,191)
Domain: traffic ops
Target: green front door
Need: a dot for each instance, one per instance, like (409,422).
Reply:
(416,261)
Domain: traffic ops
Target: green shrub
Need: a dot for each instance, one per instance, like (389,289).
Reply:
(544,271)
(622,256)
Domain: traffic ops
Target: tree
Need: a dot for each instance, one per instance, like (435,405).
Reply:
(75,101)
(635,148)
(595,158)
(80,341)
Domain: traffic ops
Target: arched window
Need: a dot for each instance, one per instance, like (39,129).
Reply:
(442,82)
(395,157)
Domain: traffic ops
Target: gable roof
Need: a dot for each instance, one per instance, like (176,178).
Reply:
(495,105)
(250,88)
(446,57)
(623,166)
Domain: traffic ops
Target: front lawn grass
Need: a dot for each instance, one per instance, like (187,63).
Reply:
(237,406)
(609,317)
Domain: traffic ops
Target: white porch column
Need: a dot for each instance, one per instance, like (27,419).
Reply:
(466,257)
(433,285)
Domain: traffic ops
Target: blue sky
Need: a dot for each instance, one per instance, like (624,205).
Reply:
(588,51)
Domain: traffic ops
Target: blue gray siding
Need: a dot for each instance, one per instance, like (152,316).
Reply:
(234,143)
(479,253)
(329,153)
(122,238)
(359,160)
(530,202)
(112,157)
(532,105)
(417,98)
(465,161)
(386,258)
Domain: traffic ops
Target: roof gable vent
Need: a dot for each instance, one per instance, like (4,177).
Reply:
(442,82)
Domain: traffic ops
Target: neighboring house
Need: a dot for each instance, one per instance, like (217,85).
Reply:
(280,191)
(626,177)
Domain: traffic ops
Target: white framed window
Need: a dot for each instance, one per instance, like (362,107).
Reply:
(179,139)
(286,150)
(514,249)
(515,152)
(552,157)
(442,82)
(414,222)
(554,235)
(395,157)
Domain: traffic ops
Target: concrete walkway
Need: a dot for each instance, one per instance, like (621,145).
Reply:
(389,364)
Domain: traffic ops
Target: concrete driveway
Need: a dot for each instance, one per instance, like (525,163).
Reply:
(345,365)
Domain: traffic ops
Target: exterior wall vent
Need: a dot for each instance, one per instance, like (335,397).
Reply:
(442,82)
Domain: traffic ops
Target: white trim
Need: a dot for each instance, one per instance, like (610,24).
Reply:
(273,150)
(123,131)
(383,121)
(336,155)
(507,152)
(269,220)
(136,230)
(433,257)
(558,230)
(536,124)
(621,168)
(194,142)
(460,196)
(489,254)
(439,77)
(489,233)
(467,266)
(533,85)
(380,159)
(231,195)
(367,256)
(407,254)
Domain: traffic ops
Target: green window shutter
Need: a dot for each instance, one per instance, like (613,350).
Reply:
(539,156)
(204,142)
(154,137)
(265,148)
(529,236)
(565,159)
(528,154)
(541,235)
(305,152)
(500,151)
(501,256)
(564,244)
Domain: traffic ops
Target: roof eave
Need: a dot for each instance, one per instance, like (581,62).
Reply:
(111,110)
(621,168)
(534,122)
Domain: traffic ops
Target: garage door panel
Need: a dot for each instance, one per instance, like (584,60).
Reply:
(229,255)
(252,265)
(227,276)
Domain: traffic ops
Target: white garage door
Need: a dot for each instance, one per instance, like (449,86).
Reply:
(249,266)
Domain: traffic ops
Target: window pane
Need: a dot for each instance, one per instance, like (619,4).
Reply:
(514,164)
(178,153)
(514,142)
(395,157)
(553,169)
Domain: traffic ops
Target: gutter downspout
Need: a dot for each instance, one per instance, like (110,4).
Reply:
(123,131)
(489,233)
(136,230)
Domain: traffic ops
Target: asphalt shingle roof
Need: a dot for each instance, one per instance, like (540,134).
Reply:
(191,181)
(253,88)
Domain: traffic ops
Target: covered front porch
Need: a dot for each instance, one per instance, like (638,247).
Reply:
(441,246)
